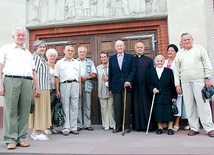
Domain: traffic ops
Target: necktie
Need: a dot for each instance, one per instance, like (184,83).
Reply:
(120,61)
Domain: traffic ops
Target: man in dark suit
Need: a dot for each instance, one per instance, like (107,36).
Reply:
(121,75)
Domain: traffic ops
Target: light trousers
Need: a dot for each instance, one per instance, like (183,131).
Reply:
(69,95)
(107,112)
(196,106)
(85,101)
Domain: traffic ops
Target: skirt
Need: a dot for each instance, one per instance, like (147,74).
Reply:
(162,112)
(40,119)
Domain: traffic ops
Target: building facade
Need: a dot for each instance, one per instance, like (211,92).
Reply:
(97,24)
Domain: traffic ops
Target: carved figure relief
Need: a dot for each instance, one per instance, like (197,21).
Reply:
(52,11)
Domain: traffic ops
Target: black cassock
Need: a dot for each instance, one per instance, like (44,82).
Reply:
(141,95)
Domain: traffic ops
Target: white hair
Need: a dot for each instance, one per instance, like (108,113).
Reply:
(18,28)
(51,51)
(159,56)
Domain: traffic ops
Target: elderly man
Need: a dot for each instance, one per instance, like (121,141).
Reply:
(67,76)
(88,72)
(141,95)
(121,75)
(16,64)
(193,70)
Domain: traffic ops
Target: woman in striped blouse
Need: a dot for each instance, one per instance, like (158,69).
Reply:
(40,119)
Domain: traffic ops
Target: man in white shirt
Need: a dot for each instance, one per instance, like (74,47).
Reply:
(68,87)
(16,64)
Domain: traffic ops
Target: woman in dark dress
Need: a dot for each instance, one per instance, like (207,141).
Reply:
(161,83)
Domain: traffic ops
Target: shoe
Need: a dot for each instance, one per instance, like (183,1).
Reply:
(47,132)
(175,128)
(187,127)
(159,131)
(23,144)
(127,131)
(193,133)
(106,128)
(89,128)
(116,130)
(65,133)
(170,132)
(54,131)
(39,137)
(211,133)
(75,132)
(11,146)
(79,129)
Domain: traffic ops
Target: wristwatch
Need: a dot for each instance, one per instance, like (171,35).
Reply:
(89,77)
(208,78)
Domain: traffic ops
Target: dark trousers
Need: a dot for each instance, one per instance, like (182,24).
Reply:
(118,102)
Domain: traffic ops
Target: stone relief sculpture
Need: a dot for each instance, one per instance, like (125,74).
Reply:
(86,8)
(70,9)
(52,11)
(79,8)
(33,8)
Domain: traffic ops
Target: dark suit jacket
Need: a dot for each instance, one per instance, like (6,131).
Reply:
(165,85)
(118,77)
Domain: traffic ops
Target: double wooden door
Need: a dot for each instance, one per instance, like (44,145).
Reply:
(105,42)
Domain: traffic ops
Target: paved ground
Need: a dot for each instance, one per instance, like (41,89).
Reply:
(101,142)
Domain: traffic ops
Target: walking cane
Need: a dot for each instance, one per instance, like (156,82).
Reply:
(124,112)
(153,98)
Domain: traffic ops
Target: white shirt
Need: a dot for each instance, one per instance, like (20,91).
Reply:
(159,71)
(67,70)
(16,61)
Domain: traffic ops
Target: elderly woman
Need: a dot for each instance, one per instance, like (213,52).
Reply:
(51,56)
(106,99)
(40,119)
(161,83)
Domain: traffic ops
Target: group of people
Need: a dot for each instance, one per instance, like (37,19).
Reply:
(126,86)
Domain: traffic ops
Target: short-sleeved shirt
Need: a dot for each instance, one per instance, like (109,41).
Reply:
(67,70)
(16,60)
(84,67)
(43,71)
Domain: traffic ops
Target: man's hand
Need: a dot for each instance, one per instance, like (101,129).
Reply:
(1,90)
(178,90)
(208,83)
(127,84)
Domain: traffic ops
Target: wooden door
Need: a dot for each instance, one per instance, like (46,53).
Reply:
(105,42)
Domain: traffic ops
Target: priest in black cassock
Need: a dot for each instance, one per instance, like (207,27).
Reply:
(141,96)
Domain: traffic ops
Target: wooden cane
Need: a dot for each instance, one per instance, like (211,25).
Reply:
(124,112)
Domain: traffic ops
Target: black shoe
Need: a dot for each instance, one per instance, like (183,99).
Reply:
(127,131)
(159,131)
(170,132)
(116,130)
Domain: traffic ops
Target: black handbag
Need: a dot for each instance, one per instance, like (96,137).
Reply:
(58,117)
(174,108)
(207,93)
(32,105)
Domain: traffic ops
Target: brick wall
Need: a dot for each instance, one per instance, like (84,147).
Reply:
(159,25)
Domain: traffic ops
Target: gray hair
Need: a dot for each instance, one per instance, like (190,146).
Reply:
(18,28)
(82,47)
(51,51)
(159,56)
(37,43)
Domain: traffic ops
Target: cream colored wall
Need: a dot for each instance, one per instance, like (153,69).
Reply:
(187,16)
(13,15)
(195,17)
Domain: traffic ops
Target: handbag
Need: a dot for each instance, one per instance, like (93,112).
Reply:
(207,93)
(32,105)
(58,117)
(174,108)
